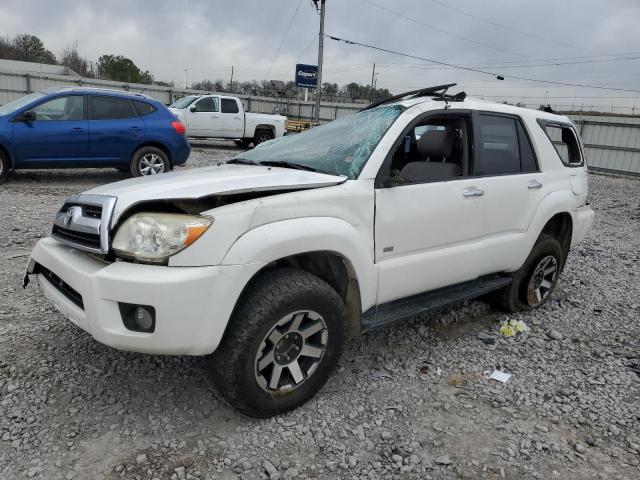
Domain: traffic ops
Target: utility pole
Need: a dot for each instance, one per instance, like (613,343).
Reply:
(185,78)
(231,82)
(316,118)
(373,75)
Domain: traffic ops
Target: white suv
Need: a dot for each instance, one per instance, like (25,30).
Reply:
(270,261)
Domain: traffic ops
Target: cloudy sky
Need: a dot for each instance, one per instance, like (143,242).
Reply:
(264,39)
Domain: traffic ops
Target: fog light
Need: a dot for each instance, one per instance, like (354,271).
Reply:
(143,318)
(139,318)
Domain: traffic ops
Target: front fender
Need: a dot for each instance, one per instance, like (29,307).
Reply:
(285,238)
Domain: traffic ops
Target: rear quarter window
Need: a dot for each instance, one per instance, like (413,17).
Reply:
(565,142)
(143,108)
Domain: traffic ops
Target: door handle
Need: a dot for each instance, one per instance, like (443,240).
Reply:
(534,185)
(473,192)
(135,127)
(77,130)
(236,118)
(215,116)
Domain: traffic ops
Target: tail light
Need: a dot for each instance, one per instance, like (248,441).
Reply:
(179,127)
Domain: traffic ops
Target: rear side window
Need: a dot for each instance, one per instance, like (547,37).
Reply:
(143,108)
(229,105)
(564,140)
(503,146)
(110,108)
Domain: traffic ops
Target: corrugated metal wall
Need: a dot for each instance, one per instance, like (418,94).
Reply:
(612,143)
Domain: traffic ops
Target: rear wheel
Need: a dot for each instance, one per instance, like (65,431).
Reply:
(282,343)
(534,282)
(262,136)
(149,161)
(4,166)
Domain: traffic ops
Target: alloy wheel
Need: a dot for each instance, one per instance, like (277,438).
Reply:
(151,164)
(291,351)
(542,280)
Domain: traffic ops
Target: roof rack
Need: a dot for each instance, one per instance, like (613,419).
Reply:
(422,92)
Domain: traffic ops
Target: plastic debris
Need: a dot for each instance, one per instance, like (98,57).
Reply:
(486,338)
(510,328)
(500,376)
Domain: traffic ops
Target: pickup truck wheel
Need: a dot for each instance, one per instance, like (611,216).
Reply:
(535,281)
(4,167)
(149,161)
(281,344)
(262,136)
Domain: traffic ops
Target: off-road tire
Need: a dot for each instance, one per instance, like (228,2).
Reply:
(271,296)
(262,136)
(4,166)
(147,152)
(513,298)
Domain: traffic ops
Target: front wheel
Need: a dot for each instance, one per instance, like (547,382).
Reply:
(149,161)
(4,166)
(281,344)
(534,282)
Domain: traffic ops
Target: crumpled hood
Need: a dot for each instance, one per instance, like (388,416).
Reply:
(202,182)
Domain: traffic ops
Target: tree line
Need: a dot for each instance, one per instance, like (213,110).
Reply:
(29,48)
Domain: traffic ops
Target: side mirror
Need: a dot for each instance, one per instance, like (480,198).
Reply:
(193,109)
(28,116)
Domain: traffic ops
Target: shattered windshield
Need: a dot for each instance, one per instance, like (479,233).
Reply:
(341,147)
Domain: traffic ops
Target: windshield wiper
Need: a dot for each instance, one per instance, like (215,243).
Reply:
(285,164)
(242,161)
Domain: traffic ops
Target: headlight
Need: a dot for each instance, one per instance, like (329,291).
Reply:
(154,237)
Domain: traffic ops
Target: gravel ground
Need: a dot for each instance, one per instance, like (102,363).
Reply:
(408,402)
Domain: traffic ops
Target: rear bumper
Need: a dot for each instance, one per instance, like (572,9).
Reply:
(582,222)
(180,153)
(192,304)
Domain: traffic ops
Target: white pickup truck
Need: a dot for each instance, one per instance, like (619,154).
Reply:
(217,116)
(271,260)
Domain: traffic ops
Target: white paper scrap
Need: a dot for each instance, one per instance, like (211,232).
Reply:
(500,376)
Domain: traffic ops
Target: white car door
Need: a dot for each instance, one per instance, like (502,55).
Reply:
(232,117)
(203,118)
(428,219)
(507,171)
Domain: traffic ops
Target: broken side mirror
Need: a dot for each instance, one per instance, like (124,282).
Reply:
(389,182)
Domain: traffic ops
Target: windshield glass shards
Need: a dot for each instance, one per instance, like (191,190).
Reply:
(341,147)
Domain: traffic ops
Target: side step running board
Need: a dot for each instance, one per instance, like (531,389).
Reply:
(428,302)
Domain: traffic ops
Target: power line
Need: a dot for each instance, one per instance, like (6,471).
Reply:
(438,29)
(505,27)
(477,70)
(284,37)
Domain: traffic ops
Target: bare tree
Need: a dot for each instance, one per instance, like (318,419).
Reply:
(71,58)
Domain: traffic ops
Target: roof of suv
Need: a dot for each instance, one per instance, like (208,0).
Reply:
(96,90)
(471,103)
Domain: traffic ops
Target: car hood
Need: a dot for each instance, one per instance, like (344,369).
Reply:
(207,181)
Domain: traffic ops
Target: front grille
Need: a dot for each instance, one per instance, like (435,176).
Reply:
(89,240)
(60,285)
(83,222)
(88,211)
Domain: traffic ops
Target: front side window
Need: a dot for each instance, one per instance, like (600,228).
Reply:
(61,108)
(564,140)
(229,106)
(502,146)
(436,148)
(341,147)
(208,104)
(110,108)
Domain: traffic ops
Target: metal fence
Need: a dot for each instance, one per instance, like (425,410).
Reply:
(612,142)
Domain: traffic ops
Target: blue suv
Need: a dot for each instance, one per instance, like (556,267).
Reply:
(76,127)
